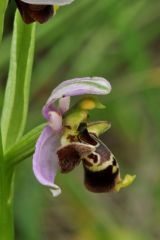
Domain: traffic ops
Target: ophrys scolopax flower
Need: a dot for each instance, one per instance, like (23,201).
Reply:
(70,139)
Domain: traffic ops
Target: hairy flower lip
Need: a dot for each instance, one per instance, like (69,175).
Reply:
(70,155)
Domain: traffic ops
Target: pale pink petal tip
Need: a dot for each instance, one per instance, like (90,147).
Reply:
(56,191)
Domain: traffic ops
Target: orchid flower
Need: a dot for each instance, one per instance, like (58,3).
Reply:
(39,10)
(70,139)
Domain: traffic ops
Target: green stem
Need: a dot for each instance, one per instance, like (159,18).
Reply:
(6,204)
(3,6)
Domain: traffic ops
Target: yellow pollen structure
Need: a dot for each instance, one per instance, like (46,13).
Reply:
(87,104)
(55,7)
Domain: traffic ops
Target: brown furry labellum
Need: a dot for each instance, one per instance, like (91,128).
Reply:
(34,13)
(101,170)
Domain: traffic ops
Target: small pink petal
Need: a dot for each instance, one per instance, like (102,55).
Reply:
(55,121)
(45,159)
(47,109)
(64,104)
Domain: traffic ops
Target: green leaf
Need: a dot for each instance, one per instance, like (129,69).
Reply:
(17,90)
(1,148)
(23,148)
(3,6)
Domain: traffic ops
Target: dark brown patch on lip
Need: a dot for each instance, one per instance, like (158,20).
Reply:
(101,181)
(69,158)
(94,157)
(114,161)
(84,135)
(34,13)
(104,153)
(87,163)
(70,155)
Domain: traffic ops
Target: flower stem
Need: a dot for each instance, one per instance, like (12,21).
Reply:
(3,6)
(6,203)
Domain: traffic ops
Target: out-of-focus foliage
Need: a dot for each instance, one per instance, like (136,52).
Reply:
(120,41)
(15,103)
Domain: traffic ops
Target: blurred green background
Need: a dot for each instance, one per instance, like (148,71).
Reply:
(119,40)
